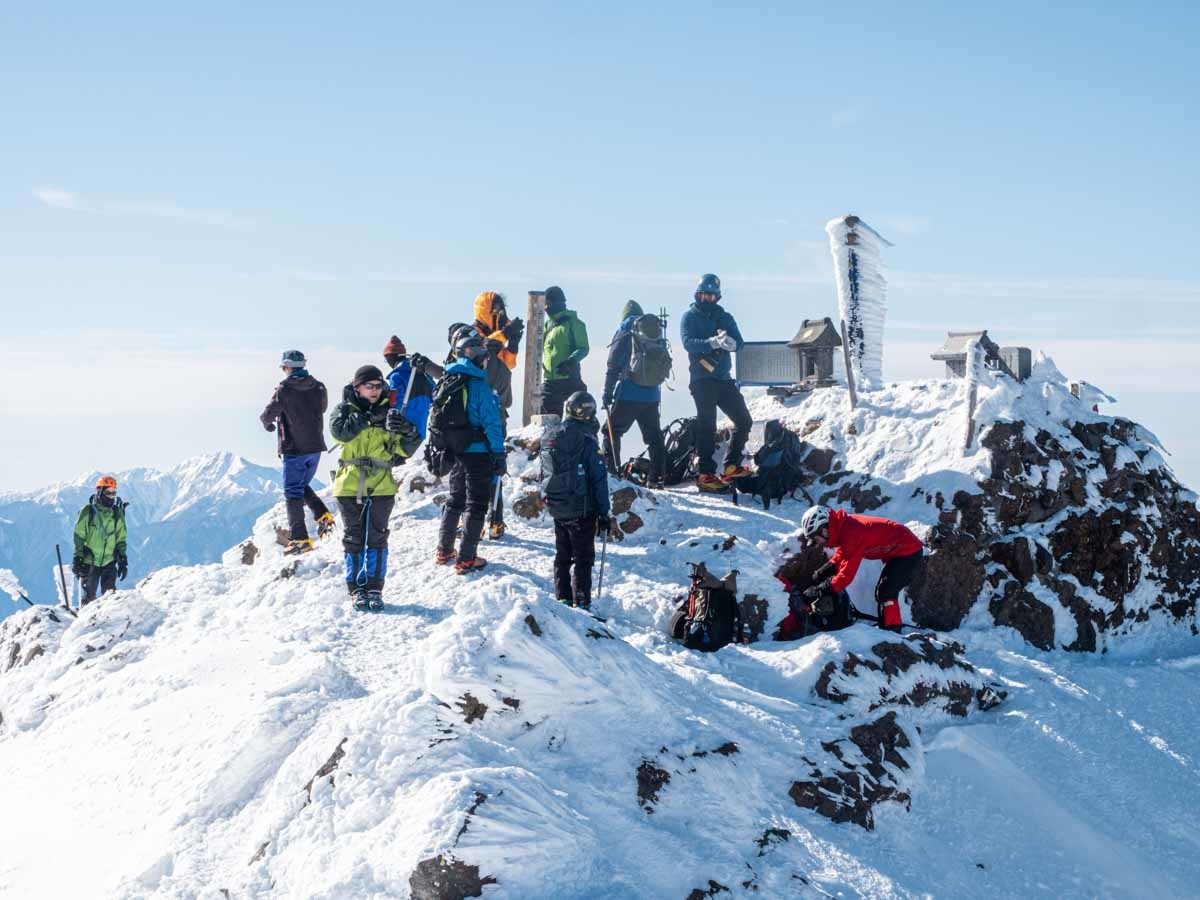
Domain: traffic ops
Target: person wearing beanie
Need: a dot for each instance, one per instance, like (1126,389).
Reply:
(401,367)
(502,337)
(296,413)
(373,438)
(710,335)
(564,347)
(630,396)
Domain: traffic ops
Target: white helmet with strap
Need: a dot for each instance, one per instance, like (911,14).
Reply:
(815,518)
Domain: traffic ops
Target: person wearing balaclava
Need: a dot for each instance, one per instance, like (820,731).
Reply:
(564,347)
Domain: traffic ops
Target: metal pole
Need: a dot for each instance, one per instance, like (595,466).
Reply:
(62,577)
(603,554)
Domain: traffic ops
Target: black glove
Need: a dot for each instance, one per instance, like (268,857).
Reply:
(398,424)
(418,362)
(821,589)
(270,426)
(514,331)
(494,346)
(603,524)
(607,401)
(499,464)
(79,568)
(824,572)
(122,567)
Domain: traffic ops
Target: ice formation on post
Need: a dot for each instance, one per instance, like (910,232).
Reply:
(858,265)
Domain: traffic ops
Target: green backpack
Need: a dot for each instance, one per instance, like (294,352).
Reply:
(650,359)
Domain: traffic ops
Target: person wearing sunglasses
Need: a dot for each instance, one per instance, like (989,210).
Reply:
(100,539)
(374,437)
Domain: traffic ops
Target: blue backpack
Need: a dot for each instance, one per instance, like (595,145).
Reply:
(419,400)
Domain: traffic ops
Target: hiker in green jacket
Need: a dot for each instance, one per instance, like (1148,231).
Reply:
(564,346)
(100,558)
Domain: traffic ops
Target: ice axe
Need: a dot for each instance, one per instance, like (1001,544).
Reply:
(603,554)
(612,442)
(412,377)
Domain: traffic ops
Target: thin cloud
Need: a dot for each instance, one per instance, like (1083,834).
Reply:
(60,198)
(57,197)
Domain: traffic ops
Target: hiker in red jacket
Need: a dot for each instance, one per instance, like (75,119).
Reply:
(855,538)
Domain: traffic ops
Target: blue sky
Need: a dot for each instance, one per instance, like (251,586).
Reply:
(183,195)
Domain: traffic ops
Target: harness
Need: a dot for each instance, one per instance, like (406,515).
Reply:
(365,464)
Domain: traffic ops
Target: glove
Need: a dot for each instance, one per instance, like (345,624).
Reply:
(499,464)
(418,362)
(122,567)
(514,331)
(603,524)
(817,590)
(270,426)
(727,342)
(494,346)
(398,424)
(716,342)
(79,568)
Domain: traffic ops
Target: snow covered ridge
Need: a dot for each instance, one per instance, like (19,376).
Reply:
(1063,524)
(188,514)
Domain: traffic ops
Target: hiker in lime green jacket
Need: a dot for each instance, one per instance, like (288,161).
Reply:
(564,346)
(374,437)
(100,558)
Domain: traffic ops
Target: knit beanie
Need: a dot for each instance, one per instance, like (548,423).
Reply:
(394,347)
(555,298)
(367,373)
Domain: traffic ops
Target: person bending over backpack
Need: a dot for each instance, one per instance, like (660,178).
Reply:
(564,347)
(854,538)
(374,437)
(297,413)
(466,422)
(710,335)
(576,489)
(100,539)
(626,401)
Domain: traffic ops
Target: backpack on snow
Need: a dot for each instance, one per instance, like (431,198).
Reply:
(650,354)
(564,475)
(679,442)
(779,463)
(450,429)
(710,617)
(827,613)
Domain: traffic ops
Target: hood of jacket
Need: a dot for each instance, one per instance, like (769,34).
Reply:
(303,382)
(466,367)
(563,317)
(485,311)
(631,308)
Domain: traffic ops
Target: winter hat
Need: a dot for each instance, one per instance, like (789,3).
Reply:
(631,308)
(555,298)
(394,347)
(367,373)
(293,359)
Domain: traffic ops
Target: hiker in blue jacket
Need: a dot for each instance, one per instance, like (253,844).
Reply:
(625,401)
(710,336)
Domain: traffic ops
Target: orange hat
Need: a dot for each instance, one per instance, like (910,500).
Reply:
(394,347)
(106,481)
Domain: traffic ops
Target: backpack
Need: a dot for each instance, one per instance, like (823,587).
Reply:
(565,485)
(650,355)
(826,614)
(450,429)
(710,617)
(419,400)
(780,465)
(680,444)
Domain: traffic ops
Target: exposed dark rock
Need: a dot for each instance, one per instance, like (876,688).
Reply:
(714,888)
(623,500)
(529,505)
(650,780)
(328,767)
(283,536)
(260,853)
(472,709)
(771,837)
(947,586)
(446,878)
(249,553)
(532,624)
(631,523)
(1019,609)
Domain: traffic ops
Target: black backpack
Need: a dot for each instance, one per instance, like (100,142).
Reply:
(650,354)
(780,465)
(827,613)
(680,443)
(450,429)
(564,475)
(710,617)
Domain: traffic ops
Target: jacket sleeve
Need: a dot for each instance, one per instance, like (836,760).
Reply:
(689,331)
(618,361)
(324,399)
(847,567)
(407,446)
(274,408)
(597,475)
(553,349)
(81,530)
(731,328)
(579,331)
(346,423)
(122,535)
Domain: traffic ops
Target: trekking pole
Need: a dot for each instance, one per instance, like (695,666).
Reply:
(612,442)
(497,499)
(603,554)
(22,596)
(62,577)
(412,376)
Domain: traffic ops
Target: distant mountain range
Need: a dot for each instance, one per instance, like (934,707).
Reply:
(185,515)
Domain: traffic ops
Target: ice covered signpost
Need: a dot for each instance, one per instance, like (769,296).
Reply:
(858,267)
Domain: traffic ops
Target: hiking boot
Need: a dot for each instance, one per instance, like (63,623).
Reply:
(297,546)
(496,530)
(732,472)
(444,557)
(374,600)
(325,525)
(360,599)
(711,484)
(564,601)
(467,566)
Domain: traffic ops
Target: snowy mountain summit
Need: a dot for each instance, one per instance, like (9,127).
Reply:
(237,730)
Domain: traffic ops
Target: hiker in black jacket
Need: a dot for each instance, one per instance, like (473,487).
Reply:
(576,488)
(297,412)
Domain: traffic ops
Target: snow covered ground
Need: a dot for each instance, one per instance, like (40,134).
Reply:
(238,731)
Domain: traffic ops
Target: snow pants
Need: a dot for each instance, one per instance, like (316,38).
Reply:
(725,395)
(365,541)
(555,394)
(574,546)
(298,473)
(102,578)
(470,493)
(897,574)
(621,417)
